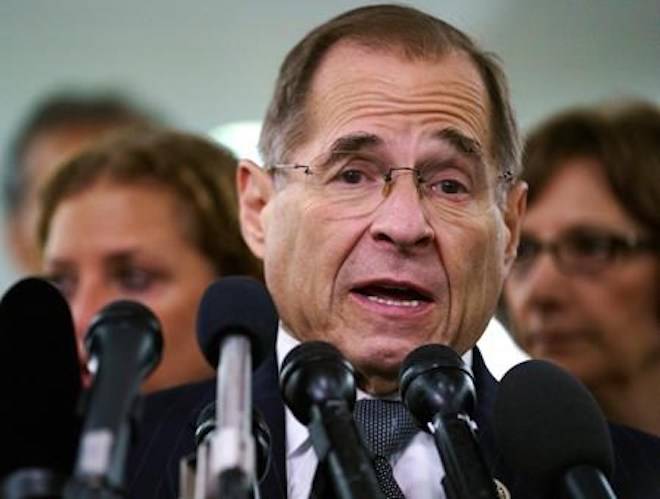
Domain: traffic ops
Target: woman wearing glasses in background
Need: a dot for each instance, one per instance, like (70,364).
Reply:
(585,289)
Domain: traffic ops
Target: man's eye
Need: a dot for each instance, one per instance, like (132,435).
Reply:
(452,187)
(449,186)
(352,176)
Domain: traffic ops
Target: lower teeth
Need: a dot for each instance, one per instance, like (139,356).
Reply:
(394,303)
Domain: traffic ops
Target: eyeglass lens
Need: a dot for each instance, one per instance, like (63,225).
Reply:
(358,184)
(579,251)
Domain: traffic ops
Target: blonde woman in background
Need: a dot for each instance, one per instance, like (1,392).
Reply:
(148,215)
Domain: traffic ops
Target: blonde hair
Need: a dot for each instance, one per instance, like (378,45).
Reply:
(200,174)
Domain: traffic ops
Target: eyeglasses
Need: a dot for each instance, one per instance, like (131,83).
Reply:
(580,251)
(356,183)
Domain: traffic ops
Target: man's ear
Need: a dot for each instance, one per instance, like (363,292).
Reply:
(255,189)
(516,206)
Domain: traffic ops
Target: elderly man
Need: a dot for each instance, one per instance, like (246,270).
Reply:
(387,214)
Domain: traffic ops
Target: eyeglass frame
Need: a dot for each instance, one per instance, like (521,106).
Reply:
(619,246)
(506,177)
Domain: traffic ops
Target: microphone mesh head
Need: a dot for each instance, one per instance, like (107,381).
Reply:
(142,327)
(546,421)
(236,305)
(39,353)
(433,379)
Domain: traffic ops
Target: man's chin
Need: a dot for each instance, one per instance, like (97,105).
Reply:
(377,371)
(378,386)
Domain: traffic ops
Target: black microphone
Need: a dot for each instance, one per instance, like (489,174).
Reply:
(236,330)
(125,341)
(318,385)
(438,389)
(551,429)
(40,385)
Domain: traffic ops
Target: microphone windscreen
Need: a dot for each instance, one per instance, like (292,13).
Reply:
(236,305)
(314,373)
(143,334)
(433,379)
(546,422)
(39,379)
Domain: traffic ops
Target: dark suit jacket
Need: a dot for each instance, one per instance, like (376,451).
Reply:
(167,434)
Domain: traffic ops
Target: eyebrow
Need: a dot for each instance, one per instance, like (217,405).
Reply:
(115,258)
(461,142)
(354,143)
(121,258)
(358,141)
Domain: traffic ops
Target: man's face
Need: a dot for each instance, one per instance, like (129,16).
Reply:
(381,282)
(603,326)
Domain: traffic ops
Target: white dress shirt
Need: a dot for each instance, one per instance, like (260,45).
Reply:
(417,469)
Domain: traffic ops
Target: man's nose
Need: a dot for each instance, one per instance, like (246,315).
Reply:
(401,219)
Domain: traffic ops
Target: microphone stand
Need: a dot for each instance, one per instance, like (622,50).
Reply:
(236,329)
(348,465)
(232,449)
(439,391)
(318,385)
(464,478)
(126,341)
(586,482)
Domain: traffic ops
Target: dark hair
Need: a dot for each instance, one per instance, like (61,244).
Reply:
(396,28)
(636,180)
(623,138)
(200,173)
(95,113)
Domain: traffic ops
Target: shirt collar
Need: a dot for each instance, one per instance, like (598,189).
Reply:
(297,435)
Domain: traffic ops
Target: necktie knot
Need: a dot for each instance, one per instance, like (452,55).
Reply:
(386,425)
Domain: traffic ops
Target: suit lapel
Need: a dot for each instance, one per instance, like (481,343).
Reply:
(486,386)
(268,400)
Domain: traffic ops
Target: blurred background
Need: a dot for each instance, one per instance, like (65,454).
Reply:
(203,64)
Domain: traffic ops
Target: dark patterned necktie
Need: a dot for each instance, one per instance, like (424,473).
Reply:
(386,427)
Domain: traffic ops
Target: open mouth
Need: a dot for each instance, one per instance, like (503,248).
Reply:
(394,295)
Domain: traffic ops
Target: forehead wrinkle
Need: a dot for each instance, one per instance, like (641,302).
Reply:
(424,110)
(460,100)
(470,109)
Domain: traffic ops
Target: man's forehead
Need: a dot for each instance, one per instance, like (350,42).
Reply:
(356,82)
(348,58)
